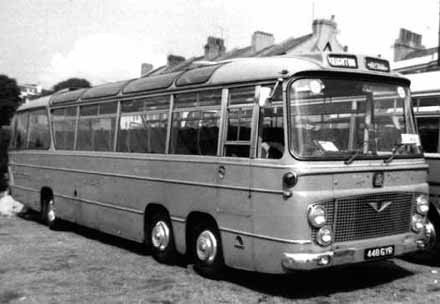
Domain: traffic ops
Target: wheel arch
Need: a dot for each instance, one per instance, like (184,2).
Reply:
(45,193)
(192,219)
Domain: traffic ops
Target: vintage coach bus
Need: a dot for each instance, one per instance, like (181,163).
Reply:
(425,91)
(265,164)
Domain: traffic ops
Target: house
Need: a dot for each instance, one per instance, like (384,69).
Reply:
(322,38)
(410,56)
(29,91)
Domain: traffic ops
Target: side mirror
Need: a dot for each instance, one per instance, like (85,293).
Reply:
(263,96)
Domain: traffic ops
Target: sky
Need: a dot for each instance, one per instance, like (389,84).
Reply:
(48,41)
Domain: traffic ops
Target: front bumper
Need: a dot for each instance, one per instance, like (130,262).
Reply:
(352,252)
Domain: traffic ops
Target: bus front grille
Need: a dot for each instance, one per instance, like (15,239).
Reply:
(370,216)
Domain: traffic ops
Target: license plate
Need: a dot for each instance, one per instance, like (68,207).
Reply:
(378,252)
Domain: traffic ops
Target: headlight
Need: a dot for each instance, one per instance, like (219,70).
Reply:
(417,223)
(422,205)
(324,236)
(316,216)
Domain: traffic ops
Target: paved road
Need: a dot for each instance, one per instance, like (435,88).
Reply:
(77,265)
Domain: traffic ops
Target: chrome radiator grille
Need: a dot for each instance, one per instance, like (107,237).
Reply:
(353,218)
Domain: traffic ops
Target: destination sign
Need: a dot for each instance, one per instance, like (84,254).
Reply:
(376,64)
(342,61)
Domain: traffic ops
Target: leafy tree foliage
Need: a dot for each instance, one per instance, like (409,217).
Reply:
(72,83)
(9,99)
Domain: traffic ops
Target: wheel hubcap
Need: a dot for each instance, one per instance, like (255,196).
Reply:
(160,235)
(51,212)
(206,246)
(431,235)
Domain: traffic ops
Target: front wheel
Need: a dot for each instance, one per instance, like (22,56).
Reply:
(432,237)
(162,239)
(207,251)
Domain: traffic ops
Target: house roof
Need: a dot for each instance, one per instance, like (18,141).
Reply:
(276,49)
(420,53)
(237,53)
(283,47)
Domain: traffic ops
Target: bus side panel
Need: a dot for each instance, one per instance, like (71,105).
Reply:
(280,222)
(28,182)
(434,179)
(111,193)
(235,215)
(66,209)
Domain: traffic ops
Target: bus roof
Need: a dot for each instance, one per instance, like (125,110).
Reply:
(424,82)
(36,103)
(239,70)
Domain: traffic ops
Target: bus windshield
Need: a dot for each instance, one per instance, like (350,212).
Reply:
(342,118)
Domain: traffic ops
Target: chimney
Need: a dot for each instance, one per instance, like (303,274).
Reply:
(173,60)
(145,68)
(324,27)
(261,40)
(214,48)
(406,43)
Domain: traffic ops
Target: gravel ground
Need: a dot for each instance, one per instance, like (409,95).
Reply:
(78,265)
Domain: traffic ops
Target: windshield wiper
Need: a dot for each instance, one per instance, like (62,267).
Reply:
(394,151)
(352,157)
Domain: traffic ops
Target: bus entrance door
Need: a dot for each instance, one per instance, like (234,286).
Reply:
(234,208)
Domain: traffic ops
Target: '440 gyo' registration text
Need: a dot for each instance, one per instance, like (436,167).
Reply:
(379,252)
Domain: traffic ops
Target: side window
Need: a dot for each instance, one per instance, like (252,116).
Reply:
(428,131)
(96,127)
(195,124)
(13,129)
(39,135)
(20,132)
(143,125)
(63,125)
(239,121)
(271,139)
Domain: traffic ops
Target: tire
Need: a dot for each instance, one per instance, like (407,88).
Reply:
(161,238)
(207,251)
(49,216)
(43,213)
(433,234)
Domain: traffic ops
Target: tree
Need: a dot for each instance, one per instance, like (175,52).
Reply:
(9,99)
(72,83)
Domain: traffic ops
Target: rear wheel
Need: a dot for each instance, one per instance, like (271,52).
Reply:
(43,212)
(162,239)
(50,216)
(207,251)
